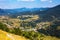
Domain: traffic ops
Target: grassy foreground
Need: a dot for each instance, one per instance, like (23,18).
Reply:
(8,36)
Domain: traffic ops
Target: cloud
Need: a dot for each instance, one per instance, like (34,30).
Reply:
(44,0)
(50,1)
(25,0)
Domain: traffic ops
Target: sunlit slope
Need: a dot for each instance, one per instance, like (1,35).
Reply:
(50,38)
(7,36)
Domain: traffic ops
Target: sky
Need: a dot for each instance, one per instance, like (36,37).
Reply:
(12,4)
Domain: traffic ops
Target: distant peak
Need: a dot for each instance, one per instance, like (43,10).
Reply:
(58,6)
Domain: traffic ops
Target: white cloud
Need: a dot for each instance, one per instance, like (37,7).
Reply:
(25,0)
(50,1)
(44,0)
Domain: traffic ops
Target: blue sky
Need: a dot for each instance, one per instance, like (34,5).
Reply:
(11,4)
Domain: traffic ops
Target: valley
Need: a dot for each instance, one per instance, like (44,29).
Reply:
(32,24)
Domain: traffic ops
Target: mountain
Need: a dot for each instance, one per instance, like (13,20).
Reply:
(46,13)
(52,13)
(19,11)
(55,11)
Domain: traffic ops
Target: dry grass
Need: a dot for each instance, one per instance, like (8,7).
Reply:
(8,36)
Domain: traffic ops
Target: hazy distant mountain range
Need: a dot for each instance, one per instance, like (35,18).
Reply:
(20,10)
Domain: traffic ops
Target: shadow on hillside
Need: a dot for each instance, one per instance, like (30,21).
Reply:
(52,30)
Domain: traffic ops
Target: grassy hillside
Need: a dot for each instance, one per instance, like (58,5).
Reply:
(8,36)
